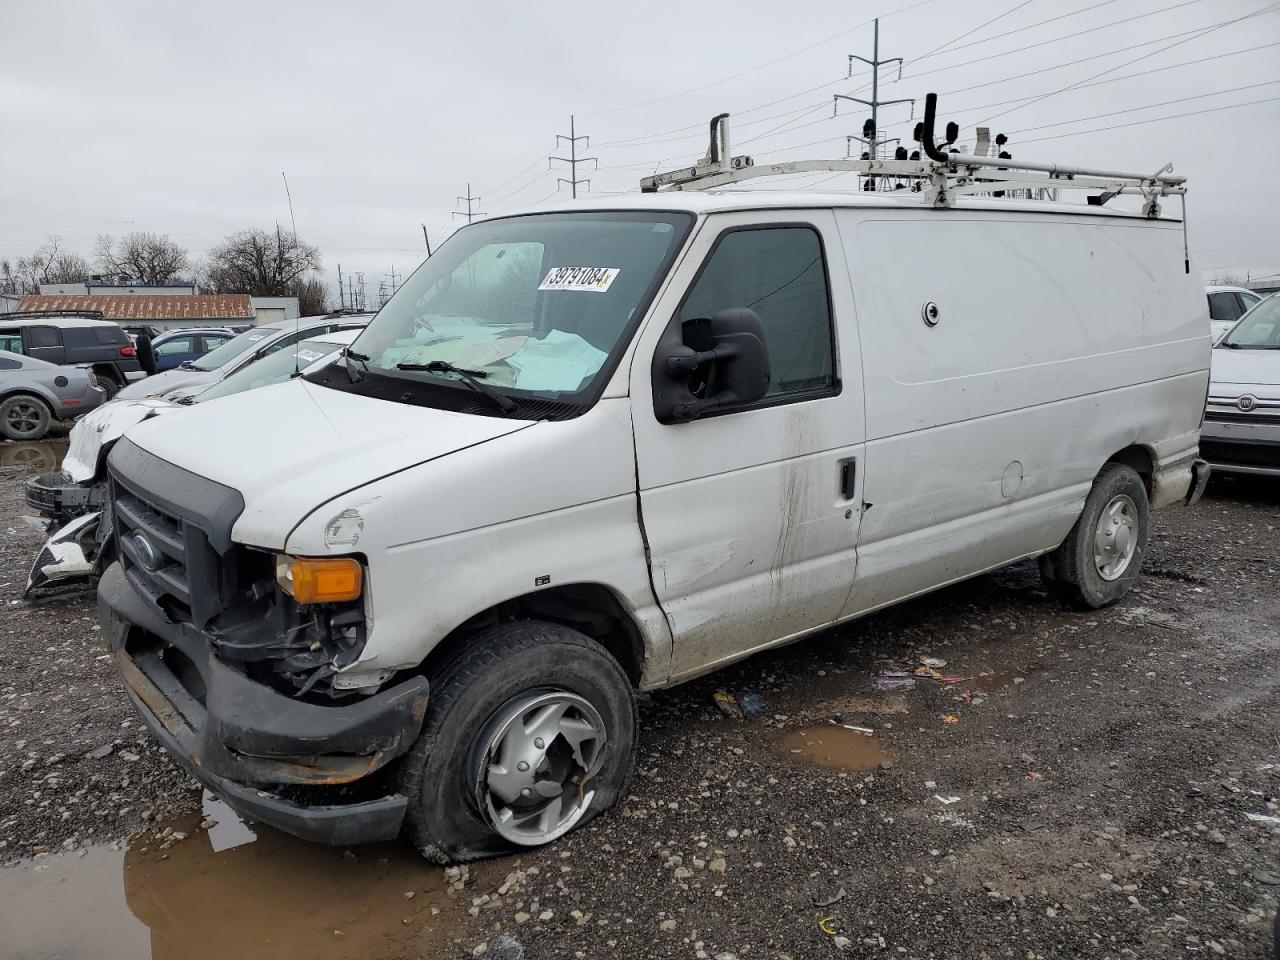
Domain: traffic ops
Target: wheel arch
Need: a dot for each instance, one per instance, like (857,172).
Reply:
(1138,458)
(34,391)
(592,609)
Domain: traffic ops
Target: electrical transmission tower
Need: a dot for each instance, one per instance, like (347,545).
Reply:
(471,212)
(871,129)
(572,159)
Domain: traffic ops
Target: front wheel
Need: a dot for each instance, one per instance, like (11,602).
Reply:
(1100,559)
(530,732)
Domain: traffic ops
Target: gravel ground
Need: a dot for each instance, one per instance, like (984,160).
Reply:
(1103,766)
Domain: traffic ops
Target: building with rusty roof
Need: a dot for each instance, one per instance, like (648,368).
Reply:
(161,311)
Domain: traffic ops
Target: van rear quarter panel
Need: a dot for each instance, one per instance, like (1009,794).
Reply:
(1061,340)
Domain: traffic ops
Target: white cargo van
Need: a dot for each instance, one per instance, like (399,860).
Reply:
(612,445)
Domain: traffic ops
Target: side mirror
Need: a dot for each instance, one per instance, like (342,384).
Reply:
(717,363)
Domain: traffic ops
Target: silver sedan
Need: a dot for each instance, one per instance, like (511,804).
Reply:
(34,393)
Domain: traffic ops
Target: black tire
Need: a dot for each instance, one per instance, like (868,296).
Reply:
(24,417)
(109,386)
(491,670)
(1071,571)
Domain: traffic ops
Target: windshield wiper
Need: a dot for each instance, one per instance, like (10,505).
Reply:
(347,356)
(503,403)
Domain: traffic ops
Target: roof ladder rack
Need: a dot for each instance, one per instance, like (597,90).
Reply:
(940,178)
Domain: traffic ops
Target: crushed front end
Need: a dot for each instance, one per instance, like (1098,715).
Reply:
(234,676)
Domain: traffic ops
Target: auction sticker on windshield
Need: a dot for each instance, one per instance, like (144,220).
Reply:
(596,279)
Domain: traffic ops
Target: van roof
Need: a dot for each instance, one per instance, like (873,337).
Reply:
(722,200)
(34,320)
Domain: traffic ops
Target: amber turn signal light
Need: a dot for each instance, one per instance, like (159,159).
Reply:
(313,580)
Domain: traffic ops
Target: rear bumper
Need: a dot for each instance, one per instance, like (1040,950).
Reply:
(308,769)
(132,375)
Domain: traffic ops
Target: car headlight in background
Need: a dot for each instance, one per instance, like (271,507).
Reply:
(319,580)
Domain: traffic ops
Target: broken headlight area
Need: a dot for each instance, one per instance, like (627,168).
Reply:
(295,647)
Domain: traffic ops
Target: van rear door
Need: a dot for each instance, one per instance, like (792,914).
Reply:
(751,513)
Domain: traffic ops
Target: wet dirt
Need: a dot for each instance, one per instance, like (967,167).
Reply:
(232,891)
(835,747)
(33,457)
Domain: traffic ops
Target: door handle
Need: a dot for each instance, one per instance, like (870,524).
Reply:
(848,477)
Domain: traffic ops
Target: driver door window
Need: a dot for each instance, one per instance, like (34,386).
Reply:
(780,273)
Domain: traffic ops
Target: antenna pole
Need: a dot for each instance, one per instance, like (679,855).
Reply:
(426,239)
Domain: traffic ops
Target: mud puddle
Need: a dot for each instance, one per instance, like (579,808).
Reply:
(836,747)
(32,456)
(231,891)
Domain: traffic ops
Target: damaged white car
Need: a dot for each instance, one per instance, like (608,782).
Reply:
(71,501)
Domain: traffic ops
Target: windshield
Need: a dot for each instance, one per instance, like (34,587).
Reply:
(537,304)
(1259,329)
(232,348)
(274,368)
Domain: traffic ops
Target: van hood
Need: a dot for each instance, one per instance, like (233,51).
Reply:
(291,447)
(1246,367)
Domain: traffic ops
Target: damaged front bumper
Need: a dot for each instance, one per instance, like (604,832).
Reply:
(315,771)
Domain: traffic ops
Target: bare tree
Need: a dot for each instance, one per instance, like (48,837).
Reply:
(258,262)
(48,264)
(313,296)
(149,258)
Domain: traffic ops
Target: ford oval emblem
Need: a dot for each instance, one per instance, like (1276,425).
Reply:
(145,552)
(1247,402)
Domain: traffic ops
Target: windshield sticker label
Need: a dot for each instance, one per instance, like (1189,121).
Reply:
(309,356)
(596,279)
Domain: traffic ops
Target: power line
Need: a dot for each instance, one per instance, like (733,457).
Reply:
(1137,123)
(1148,106)
(760,66)
(1202,33)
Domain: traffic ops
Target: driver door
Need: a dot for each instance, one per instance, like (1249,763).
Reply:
(751,513)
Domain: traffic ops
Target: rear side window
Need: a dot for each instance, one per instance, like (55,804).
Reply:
(176,346)
(11,340)
(1224,306)
(780,273)
(109,336)
(43,337)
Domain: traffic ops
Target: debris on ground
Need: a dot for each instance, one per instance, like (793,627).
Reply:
(505,947)
(839,722)
(894,680)
(1264,819)
(742,704)
(831,900)
(945,801)
(950,718)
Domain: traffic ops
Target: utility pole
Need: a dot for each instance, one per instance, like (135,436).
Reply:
(572,159)
(871,130)
(470,214)
(342,296)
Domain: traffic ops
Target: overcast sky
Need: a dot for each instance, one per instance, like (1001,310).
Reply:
(179,118)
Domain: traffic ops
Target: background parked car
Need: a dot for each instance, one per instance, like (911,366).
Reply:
(189,378)
(1227,305)
(67,338)
(1241,429)
(34,393)
(184,345)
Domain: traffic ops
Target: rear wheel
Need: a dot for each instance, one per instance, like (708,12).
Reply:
(1102,555)
(109,385)
(24,417)
(530,732)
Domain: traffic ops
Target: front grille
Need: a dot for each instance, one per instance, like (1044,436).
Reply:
(167,559)
(1240,453)
(1228,416)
